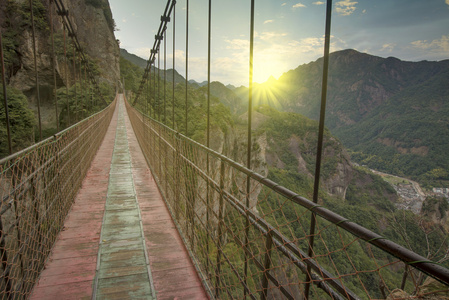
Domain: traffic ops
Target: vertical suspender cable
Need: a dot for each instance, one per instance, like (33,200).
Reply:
(174,61)
(35,71)
(208,124)
(74,82)
(150,84)
(66,78)
(250,108)
(81,87)
(86,94)
(187,59)
(147,105)
(165,75)
(53,62)
(5,96)
(320,138)
(208,78)
(159,85)
(154,88)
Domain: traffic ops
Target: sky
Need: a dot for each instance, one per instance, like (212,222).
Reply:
(288,33)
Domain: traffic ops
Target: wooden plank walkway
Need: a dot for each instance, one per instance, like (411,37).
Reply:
(119,234)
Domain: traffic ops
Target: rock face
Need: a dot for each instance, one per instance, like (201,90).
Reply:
(93,31)
(95,34)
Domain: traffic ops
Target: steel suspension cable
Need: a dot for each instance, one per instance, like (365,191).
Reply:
(174,61)
(81,87)
(159,85)
(66,78)
(5,96)
(74,82)
(149,93)
(187,62)
(320,138)
(86,93)
(53,61)
(165,75)
(36,74)
(248,158)
(209,29)
(162,27)
(154,97)
(63,12)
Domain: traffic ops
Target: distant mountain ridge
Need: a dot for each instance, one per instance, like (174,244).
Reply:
(394,114)
(142,63)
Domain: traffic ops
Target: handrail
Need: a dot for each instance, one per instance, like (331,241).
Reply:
(157,131)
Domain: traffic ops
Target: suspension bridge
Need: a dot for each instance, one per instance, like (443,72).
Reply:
(122,205)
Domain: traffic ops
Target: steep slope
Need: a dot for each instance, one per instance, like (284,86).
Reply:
(289,143)
(94,26)
(392,112)
(142,63)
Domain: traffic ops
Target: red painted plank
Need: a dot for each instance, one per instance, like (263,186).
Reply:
(76,290)
(71,266)
(174,275)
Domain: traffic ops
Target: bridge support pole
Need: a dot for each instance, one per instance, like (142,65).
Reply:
(267,264)
(320,141)
(220,230)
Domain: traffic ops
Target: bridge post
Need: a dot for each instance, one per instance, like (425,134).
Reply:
(4,259)
(176,174)
(219,235)
(267,264)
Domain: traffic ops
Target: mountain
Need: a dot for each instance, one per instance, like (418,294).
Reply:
(199,84)
(228,97)
(142,63)
(392,114)
(94,26)
(138,61)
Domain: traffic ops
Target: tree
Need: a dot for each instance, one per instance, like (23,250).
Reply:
(22,122)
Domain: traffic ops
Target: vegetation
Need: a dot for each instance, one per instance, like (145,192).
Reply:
(159,104)
(17,19)
(390,114)
(81,103)
(291,143)
(22,122)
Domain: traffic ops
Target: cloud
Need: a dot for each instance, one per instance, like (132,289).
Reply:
(284,4)
(387,47)
(438,46)
(270,35)
(237,44)
(364,11)
(124,20)
(297,5)
(321,2)
(345,7)
(271,21)
(447,2)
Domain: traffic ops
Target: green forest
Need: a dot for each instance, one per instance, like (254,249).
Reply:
(75,101)
(368,201)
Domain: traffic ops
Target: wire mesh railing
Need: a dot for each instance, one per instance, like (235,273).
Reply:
(207,195)
(38,186)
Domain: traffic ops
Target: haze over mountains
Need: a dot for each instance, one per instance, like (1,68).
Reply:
(393,115)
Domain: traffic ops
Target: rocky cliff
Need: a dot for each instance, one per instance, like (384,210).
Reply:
(93,24)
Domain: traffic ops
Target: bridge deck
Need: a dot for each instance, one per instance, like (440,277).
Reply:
(119,240)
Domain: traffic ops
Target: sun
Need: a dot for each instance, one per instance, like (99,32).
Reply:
(268,93)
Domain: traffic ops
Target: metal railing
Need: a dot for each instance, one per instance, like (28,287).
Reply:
(37,187)
(210,212)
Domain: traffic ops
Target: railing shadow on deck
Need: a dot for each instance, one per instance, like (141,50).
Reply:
(260,251)
(37,187)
